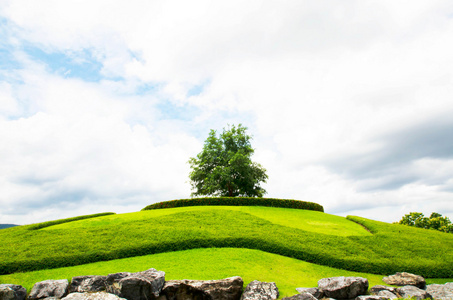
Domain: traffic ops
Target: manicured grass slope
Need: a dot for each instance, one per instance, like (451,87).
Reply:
(281,231)
(205,264)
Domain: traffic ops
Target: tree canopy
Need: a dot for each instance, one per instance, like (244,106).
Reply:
(435,221)
(224,167)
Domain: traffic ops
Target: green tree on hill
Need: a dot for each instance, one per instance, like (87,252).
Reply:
(224,166)
(435,221)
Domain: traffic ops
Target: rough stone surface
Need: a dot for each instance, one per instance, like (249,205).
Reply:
(441,291)
(343,287)
(257,290)
(370,297)
(301,296)
(412,291)
(377,288)
(144,285)
(82,284)
(317,293)
(113,282)
(49,288)
(403,279)
(178,290)
(92,296)
(387,294)
(223,289)
(12,292)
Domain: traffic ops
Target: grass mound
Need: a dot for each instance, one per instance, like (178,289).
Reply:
(391,248)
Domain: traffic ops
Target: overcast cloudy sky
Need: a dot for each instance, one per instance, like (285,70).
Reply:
(102,103)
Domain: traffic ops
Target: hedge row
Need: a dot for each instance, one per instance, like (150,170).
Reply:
(61,221)
(237,201)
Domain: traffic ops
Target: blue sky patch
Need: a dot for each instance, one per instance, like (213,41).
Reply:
(197,89)
(80,64)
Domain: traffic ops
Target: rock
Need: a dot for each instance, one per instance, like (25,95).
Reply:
(223,289)
(178,290)
(136,286)
(12,292)
(317,293)
(92,296)
(412,291)
(257,290)
(387,294)
(301,296)
(403,279)
(377,288)
(82,284)
(113,280)
(441,291)
(49,288)
(370,297)
(343,287)
(7,293)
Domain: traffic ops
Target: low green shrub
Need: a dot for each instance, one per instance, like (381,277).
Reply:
(61,221)
(237,201)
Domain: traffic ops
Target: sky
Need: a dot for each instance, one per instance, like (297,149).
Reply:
(102,103)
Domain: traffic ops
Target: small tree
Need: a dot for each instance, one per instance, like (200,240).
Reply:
(224,166)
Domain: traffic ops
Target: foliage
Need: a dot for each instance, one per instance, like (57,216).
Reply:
(61,221)
(237,201)
(224,166)
(435,221)
(390,249)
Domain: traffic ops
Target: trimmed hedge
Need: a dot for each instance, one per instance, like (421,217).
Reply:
(237,201)
(61,221)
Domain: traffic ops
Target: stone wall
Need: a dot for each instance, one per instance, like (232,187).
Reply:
(151,285)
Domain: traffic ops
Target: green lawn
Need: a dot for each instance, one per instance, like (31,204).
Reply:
(296,218)
(206,264)
(306,235)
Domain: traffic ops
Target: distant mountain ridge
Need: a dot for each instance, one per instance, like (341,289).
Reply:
(3,226)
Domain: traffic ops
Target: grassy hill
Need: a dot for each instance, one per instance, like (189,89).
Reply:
(350,245)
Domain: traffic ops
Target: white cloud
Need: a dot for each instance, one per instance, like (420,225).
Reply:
(317,82)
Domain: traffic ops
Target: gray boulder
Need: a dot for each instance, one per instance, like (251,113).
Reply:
(441,291)
(144,285)
(317,293)
(92,296)
(403,279)
(91,283)
(113,280)
(343,287)
(49,289)
(178,290)
(301,296)
(257,290)
(377,288)
(12,292)
(412,291)
(370,297)
(387,294)
(223,289)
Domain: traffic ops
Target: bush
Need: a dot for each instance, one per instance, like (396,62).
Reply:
(237,201)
